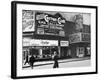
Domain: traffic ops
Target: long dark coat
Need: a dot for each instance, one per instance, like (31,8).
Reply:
(32,60)
(56,65)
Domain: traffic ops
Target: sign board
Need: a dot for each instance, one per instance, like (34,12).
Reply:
(36,42)
(79,37)
(73,38)
(50,24)
(64,43)
(28,20)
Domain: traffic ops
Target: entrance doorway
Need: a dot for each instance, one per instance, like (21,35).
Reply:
(80,51)
(64,51)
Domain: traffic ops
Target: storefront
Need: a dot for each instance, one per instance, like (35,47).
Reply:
(51,32)
(48,32)
(80,44)
(39,48)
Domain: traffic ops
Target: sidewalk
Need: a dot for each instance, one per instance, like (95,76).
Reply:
(41,63)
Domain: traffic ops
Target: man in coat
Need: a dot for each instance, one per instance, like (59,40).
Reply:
(31,61)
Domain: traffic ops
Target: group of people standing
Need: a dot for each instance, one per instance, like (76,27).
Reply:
(32,59)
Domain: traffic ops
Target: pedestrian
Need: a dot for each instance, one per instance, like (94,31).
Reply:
(26,60)
(31,61)
(55,58)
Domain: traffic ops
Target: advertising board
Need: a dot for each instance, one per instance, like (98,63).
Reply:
(51,24)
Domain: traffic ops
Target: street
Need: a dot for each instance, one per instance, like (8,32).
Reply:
(63,64)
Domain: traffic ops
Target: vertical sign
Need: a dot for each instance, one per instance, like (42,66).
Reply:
(27,20)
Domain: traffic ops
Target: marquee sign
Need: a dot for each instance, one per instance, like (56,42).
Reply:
(36,42)
(49,24)
(49,18)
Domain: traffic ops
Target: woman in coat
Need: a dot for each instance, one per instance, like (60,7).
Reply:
(55,58)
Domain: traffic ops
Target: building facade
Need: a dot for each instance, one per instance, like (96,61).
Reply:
(48,35)
(44,33)
(79,37)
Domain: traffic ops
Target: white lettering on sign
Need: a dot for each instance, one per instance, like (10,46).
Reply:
(47,18)
(59,20)
(36,42)
(64,43)
(43,42)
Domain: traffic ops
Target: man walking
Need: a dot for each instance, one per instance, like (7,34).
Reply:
(31,61)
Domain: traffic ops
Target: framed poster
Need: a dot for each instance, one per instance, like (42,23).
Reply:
(53,39)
